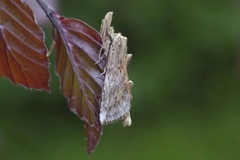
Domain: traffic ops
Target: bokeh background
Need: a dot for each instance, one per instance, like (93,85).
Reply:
(186,73)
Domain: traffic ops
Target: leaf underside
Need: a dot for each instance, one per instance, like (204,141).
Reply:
(22,50)
(80,72)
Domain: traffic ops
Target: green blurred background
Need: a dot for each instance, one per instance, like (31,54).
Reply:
(186,74)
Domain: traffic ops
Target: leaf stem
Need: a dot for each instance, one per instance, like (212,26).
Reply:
(54,18)
(48,11)
(45,7)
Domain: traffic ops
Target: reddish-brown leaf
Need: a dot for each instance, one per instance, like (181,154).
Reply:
(80,71)
(22,51)
(93,136)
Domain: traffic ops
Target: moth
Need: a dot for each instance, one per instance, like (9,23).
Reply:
(116,94)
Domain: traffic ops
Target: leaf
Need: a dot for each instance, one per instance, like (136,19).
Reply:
(80,72)
(93,136)
(22,51)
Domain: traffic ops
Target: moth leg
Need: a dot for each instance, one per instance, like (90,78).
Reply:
(100,58)
(101,54)
(127,121)
(104,71)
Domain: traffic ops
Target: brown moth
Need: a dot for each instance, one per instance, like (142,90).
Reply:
(116,94)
